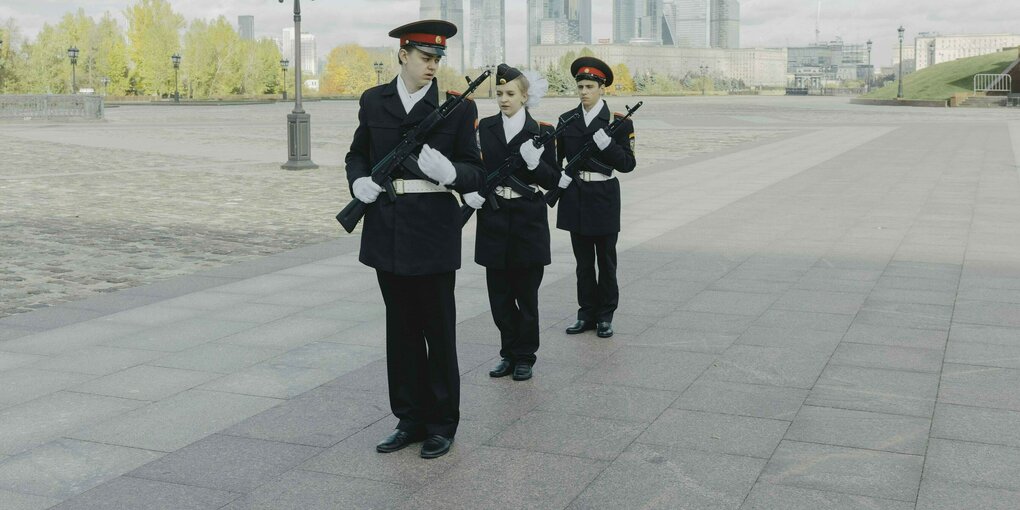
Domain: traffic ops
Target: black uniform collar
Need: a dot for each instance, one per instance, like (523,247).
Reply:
(495,124)
(396,107)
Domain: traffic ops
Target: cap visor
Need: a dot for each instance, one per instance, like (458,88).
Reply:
(431,50)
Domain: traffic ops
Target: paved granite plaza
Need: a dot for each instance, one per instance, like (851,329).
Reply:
(820,309)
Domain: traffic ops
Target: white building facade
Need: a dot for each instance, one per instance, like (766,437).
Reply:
(932,49)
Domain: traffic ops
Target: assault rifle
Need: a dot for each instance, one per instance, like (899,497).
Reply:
(506,170)
(586,151)
(384,168)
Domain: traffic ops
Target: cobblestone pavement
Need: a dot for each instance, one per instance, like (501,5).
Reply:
(155,192)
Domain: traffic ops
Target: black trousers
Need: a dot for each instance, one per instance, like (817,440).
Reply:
(598,296)
(513,298)
(421,351)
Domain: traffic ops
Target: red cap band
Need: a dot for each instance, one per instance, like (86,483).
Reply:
(592,71)
(429,39)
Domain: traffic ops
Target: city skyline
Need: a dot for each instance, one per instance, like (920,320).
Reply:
(764,23)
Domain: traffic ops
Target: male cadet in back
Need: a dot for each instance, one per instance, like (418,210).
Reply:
(590,207)
(413,242)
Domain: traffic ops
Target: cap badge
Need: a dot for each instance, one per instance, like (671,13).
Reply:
(439,39)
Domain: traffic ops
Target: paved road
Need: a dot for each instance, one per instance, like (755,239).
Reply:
(819,309)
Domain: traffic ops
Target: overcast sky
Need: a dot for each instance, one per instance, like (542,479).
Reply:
(764,23)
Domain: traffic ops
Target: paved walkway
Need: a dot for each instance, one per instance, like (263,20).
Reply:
(824,318)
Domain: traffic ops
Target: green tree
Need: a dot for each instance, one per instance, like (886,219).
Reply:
(154,35)
(12,58)
(210,61)
(560,81)
(109,56)
(47,70)
(348,71)
(622,78)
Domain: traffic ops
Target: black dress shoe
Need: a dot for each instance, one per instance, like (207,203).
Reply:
(503,369)
(605,330)
(522,372)
(398,440)
(580,327)
(435,446)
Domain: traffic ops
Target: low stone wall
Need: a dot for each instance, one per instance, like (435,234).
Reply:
(934,103)
(50,107)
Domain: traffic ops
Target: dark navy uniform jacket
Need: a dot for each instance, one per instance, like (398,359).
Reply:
(593,208)
(419,233)
(517,234)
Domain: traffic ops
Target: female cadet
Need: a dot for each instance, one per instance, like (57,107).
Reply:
(512,242)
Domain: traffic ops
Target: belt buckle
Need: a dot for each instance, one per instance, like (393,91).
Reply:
(398,186)
(585,175)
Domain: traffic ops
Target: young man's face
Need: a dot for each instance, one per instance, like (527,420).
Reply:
(590,91)
(418,67)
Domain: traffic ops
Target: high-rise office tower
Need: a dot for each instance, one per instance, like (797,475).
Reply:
(452,11)
(637,21)
(725,24)
(692,28)
(309,55)
(246,27)
(488,33)
(559,21)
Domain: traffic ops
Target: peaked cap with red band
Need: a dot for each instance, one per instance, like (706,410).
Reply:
(591,68)
(427,35)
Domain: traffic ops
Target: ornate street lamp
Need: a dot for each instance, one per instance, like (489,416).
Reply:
(899,86)
(105,81)
(176,58)
(299,128)
(871,70)
(72,53)
(704,74)
(283,67)
(378,72)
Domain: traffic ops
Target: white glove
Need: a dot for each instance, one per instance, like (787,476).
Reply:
(531,154)
(366,190)
(435,165)
(601,139)
(474,200)
(565,181)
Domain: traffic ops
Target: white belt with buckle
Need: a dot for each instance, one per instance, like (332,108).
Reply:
(404,186)
(508,193)
(587,176)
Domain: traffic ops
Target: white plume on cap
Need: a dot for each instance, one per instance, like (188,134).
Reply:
(538,87)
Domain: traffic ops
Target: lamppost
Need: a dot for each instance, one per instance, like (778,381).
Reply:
(299,128)
(105,81)
(283,67)
(72,53)
(931,53)
(704,74)
(378,72)
(176,58)
(492,83)
(899,86)
(871,70)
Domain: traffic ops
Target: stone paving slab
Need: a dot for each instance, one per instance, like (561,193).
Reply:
(819,316)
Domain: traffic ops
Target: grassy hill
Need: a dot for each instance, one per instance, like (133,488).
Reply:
(943,80)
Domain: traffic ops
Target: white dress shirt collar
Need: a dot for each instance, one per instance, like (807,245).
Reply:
(409,99)
(513,125)
(590,115)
